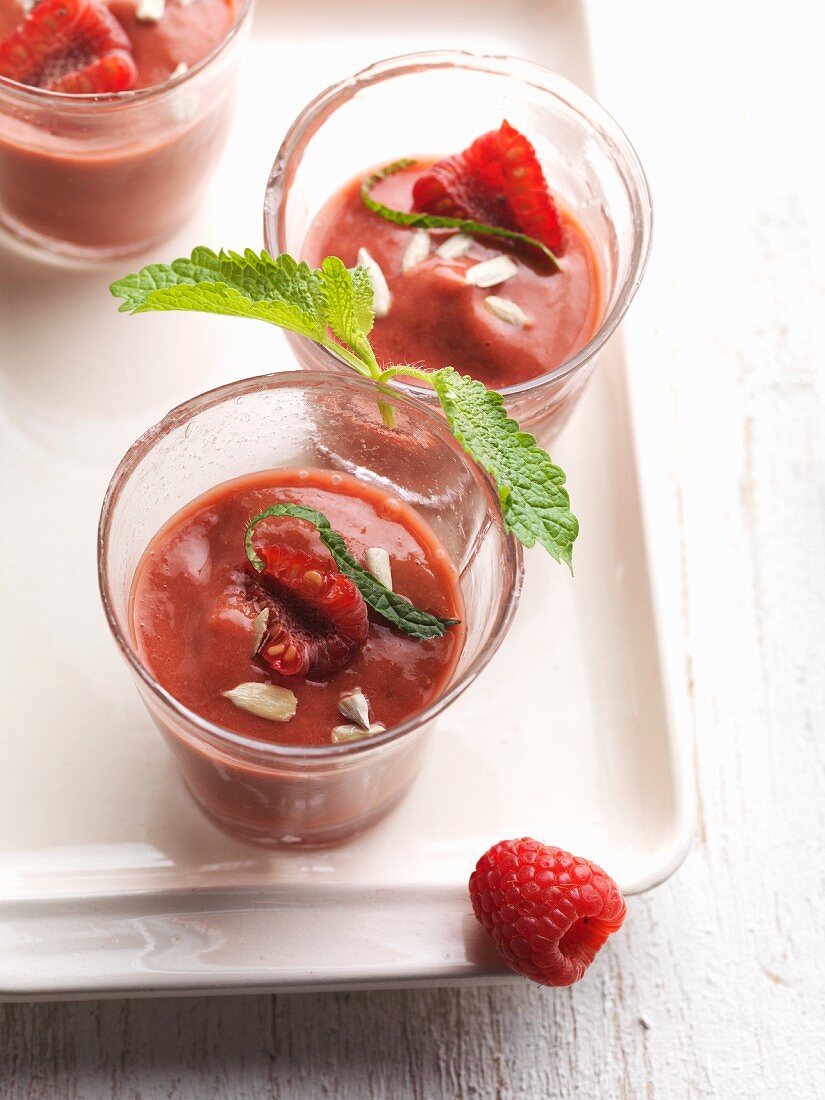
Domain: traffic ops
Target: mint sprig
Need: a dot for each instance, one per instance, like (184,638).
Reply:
(392,607)
(534,501)
(436,221)
(333,306)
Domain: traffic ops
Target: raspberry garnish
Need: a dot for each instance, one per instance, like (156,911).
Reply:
(74,46)
(496,181)
(317,616)
(547,912)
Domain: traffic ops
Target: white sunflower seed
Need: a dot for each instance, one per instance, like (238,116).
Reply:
(355,733)
(381,297)
(179,70)
(498,269)
(507,311)
(456,246)
(356,708)
(259,629)
(265,700)
(150,11)
(378,563)
(417,250)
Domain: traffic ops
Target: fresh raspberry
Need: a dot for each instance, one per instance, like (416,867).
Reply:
(317,616)
(496,181)
(547,912)
(74,46)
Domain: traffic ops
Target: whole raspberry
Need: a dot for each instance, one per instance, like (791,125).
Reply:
(547,912)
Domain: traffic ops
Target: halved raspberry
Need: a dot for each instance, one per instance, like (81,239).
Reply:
(496,181)
(74,46)
(317,616)
(547,912)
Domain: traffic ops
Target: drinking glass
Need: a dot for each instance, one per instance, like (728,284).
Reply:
(292,794)
(102,176)
(435,103)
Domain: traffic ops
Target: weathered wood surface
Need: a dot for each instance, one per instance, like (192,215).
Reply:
(717,986)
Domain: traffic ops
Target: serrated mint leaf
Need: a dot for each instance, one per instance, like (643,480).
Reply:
(281,291)
(348,301)
(534,501)
(415,220)
(394,608)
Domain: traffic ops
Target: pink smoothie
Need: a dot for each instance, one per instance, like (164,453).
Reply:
(194,631)
(437,318)
(114,175)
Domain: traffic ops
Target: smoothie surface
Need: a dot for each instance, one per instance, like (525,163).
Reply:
(437,318)
(195,636)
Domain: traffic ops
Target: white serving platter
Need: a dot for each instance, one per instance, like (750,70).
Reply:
(111,881)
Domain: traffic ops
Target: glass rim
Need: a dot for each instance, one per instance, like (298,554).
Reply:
(228,740)
(113,101)
(624,157)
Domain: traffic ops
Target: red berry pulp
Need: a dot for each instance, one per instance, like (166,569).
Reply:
(497,181)
(60,39)
(317,618)
(437,318)
(192,618)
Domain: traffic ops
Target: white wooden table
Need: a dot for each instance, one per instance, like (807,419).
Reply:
(717,985)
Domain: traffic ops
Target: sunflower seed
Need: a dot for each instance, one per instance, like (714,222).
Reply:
(265,700)
(150,11)
(378,563)
(259,630)
(356,708)
(507,311)
(417,250)
(355,733)
(381,297)
(498,269)
(456,246)
(179,70)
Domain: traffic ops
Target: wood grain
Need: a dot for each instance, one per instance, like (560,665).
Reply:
(717,986)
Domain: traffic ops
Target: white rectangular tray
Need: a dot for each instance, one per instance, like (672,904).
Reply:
(111,882)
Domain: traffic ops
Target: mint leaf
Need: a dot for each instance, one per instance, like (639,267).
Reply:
(348,304)
(280,291)
(394,608)
(347,299)
(435,221)
(535,504)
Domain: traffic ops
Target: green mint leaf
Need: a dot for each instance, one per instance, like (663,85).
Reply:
(348,300)
(394,608)
(348,303)
(435,221)
(534,501)
(281,291)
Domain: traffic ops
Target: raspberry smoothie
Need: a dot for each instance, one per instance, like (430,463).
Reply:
(111,117)
(439,319)
(196,601)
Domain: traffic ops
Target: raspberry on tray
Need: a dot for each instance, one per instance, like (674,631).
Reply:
(547,912)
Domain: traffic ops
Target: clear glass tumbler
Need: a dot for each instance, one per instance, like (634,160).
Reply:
(287,794)
(98,177)
(435,103)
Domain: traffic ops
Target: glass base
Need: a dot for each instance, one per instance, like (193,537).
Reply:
(325,837)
